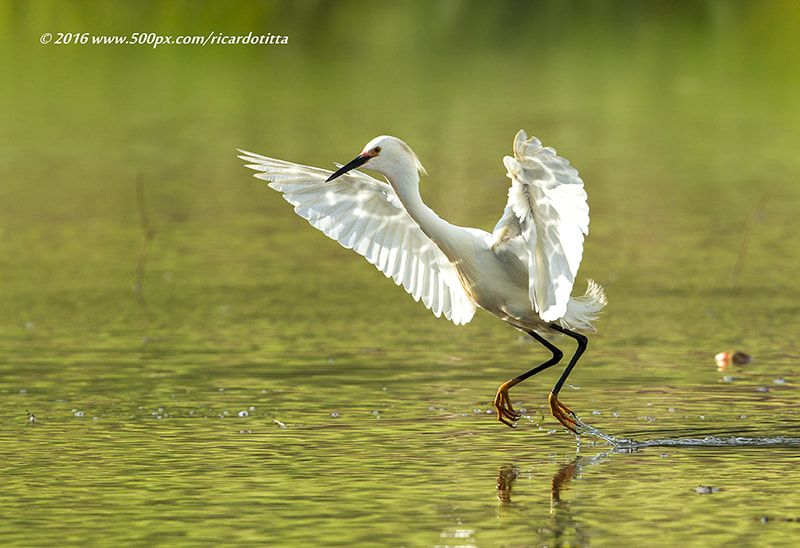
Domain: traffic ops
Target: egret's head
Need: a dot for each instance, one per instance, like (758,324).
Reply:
(385,154)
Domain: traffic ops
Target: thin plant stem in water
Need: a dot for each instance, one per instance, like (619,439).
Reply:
(755,215)
(148,237)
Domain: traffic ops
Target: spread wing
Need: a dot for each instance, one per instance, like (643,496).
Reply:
(545,221)
(365,215)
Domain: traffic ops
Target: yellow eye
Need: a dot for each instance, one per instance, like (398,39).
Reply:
(376,150)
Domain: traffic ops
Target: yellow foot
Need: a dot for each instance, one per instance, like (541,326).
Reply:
(562,413)
(502,402)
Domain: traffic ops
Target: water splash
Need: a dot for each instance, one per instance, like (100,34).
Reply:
(629,444)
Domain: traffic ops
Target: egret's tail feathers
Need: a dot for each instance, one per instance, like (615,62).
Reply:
(582,311)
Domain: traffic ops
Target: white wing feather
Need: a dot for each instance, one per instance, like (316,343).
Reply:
(546,219)
(364,214)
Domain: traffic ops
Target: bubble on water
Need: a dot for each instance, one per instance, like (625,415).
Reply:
(334,414)
(244,414)
(780,380)
(597,412)
(762,389)
(78,413)
(705,490)
(671,409)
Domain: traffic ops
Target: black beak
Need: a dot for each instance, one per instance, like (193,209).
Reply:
(358,161)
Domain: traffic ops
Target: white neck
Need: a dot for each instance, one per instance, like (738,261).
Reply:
(406,185)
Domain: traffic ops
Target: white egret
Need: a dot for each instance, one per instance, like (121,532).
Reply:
(523,272)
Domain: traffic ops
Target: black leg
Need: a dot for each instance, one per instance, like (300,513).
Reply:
(502,402)
(582,342)
(560,411)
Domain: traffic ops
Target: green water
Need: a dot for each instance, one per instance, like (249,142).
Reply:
(368,421)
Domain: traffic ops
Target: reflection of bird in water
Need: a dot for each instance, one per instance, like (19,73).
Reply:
(505,480)
(560,480)
(508,474)
(522,273)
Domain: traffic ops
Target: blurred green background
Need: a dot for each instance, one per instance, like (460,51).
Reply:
(676,114)
(683,119)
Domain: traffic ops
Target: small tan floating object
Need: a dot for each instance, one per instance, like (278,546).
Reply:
(731,357)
